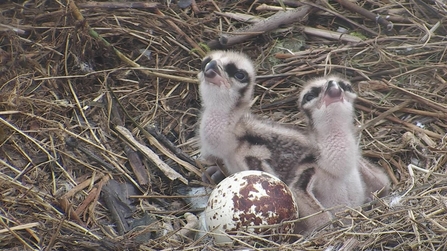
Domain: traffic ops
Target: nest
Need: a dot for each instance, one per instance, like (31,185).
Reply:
(99,108)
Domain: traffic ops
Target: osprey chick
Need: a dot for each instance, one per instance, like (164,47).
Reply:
(343,176)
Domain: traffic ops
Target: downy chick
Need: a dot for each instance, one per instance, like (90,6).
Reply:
(343,176)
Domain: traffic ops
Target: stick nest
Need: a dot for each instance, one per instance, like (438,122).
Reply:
(84,87)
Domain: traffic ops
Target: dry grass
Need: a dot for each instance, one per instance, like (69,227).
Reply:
(71,76)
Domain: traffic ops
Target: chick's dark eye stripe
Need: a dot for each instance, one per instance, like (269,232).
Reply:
(231,69)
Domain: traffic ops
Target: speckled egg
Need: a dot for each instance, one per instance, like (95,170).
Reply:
(250,201)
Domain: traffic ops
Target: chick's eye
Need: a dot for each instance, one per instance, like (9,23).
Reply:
(308,97)
(240,76)
(204,63)
(346,86)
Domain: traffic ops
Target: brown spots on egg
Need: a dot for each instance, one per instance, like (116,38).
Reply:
(273,205)
(254,202)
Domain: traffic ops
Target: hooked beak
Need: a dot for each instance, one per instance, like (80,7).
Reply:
(214,74)
(332,93)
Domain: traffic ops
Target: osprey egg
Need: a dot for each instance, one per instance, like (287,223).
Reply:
(250,202)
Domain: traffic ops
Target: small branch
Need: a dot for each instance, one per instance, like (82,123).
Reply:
(240,17)
(430,32)
(331,35)
(150,155)
(137,166)
(291,3)
(154,141)
(153,130)
(4,27)
(271,23)
(117,5)
(344,18)
(72,142)
(270,8)
(366,13)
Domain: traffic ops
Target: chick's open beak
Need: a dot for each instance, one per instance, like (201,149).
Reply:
(332,93)
(214,74)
